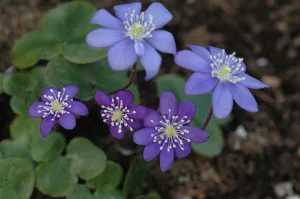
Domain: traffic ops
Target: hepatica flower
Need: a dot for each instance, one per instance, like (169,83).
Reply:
(119,113)
(58,106)
(132,34)
(222,74)
(168,133)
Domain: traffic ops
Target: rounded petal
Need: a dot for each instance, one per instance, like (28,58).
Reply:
(166,158)
(126,97)
(151,61)
(70,90)
(102,99)
(163,41)
(188,59)
(138,112)
(168,104)
(144,136)
(161,16)
(49,92)
(114,131)
(202,52)
(186,110)
(47,125)
(139,48)
(251,82)
(78,108)
(200,83)
(214,50)
(243,97)
(196,135)
(152,119)
(104,18)
(122,10)
(67,121)
(151,151)
(222,101)
(184,150)
(34,110)
(103,37)
(121,55)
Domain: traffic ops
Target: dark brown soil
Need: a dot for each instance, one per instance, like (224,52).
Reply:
(267,34)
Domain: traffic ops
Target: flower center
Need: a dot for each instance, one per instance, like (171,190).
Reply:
(56,106)
(117,115)
(171,131)
(226,67)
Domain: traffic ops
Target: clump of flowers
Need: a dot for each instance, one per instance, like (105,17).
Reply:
(168,133)
(58,106)
(222,74)
(119,113)
(132,34)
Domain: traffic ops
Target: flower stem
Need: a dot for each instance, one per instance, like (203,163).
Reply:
(131,80)
(48,78)
(208,117)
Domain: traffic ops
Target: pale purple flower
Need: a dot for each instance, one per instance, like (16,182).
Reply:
(58,106)
(168,132)
(119,113)
(132,34)
(222,74)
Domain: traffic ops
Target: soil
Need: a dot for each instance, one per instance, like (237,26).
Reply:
(267,34)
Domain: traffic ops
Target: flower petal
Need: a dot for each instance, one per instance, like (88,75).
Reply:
(183,151)
(70,90)
(139,48)
(152,119)
(122,10)
(140,112)
(122,55)
(190,60)
(195,134)
(214,50)
(47,125)
(243,97)
(48,92)
(166,158)
(134,125)
(161,16)
(222,101)
(126,97)
(102,99)
(186,109)
(103,37)
(67,121)
(168,104)
(200,83)
(34,110)
(202,52)
(251,82)
(107,20)
(151,61)
(78,108)
(163,41)
(143,136)
(151,151)
(114,131)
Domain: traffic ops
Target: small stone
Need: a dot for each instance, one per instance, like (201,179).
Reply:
(284,188)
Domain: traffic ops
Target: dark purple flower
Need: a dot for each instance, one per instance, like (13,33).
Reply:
(119,113)
(58,106)
(132,34)
(222,74)
(168,133)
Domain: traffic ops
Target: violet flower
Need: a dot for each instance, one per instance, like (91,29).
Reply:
(119,113)
(133,34)
(168,133)
(58,106)
(222,74)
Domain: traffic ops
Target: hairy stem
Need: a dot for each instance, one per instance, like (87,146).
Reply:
(208,117)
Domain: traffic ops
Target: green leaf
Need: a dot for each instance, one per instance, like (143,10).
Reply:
(70,21)
(79,52)
(56,178)
(14,148)
(25,88)
(90,159)
(81,192)
(109,179)
(33,46)
(45,149)
(16,178)
(214,145)
(110,195)
(1,83)
(137,178)
(150,196)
